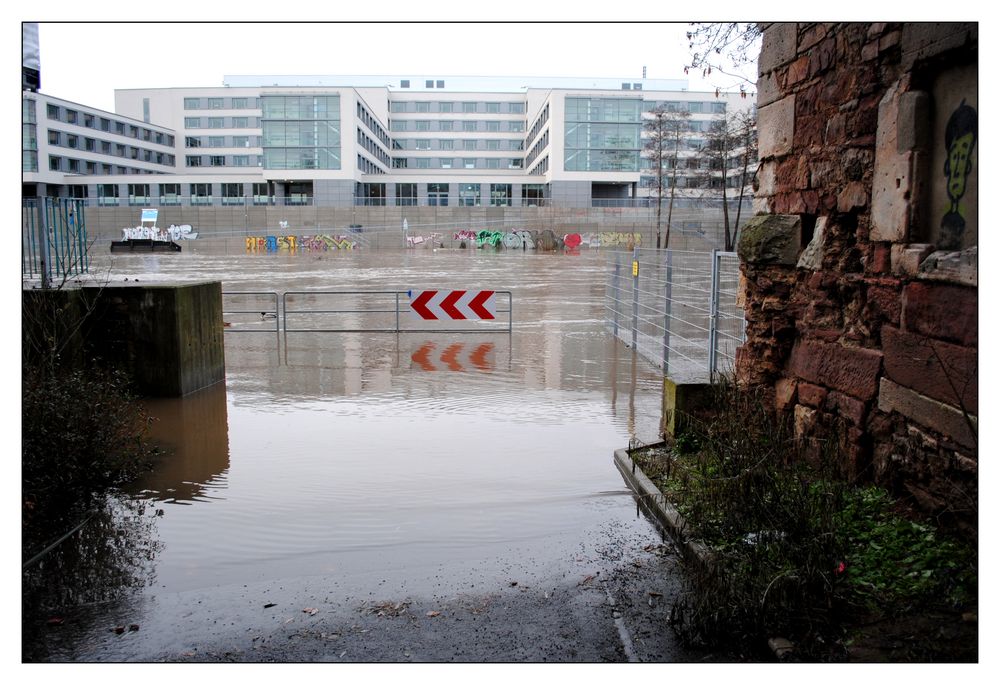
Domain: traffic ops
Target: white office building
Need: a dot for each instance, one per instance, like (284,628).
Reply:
(338,141)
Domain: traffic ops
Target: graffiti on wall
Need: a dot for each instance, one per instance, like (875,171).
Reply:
(291,243)
(426,240)
(960,135)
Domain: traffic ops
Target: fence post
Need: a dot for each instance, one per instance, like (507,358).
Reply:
(667,308)
(635,296)
(713,319)
(616,288)
(43,242)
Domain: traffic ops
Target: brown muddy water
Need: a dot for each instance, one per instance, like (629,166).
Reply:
(384,463)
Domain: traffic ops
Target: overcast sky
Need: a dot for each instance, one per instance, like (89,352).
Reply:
(86,62)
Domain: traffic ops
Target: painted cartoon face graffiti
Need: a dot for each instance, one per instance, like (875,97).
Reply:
(960,136)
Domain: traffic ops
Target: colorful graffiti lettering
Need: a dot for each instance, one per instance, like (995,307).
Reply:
(616,239)
(572,240)
(414,240)
(486,237)
(465,235)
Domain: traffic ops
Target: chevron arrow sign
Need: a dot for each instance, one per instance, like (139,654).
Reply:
(453,305)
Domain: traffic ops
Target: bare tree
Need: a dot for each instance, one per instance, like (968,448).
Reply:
(726,48)
(664,132)
(724,163)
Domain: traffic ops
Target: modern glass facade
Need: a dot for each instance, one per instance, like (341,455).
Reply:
(301,131)
(603,134)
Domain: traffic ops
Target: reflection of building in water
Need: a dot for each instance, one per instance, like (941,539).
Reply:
(193,433)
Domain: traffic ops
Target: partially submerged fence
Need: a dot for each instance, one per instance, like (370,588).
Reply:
(369,311)
(677,309)
(54,244)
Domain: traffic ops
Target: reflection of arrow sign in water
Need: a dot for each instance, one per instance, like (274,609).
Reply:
(453,305)
(453,357)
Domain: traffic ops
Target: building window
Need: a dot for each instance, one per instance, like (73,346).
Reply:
(190,141)
(423,106)
(71,116)
(469,162)
(516,164)
(145,110)
(192,103)
(446,125)
(192,122)
(437,194)
(493,126)
(192,161)
(468,126)
(440,84)
(446,106)
(107,194)
(241,122)
(399,163)
(422,144)
(216,122)
(215,103)
(240,103)
(492,107)
(261,196)
(217,160)
(217,141)
(423,126)
(446,162)
(492,144)
(232,193)
(404,83)
(500,194)
(406,194)
(517,108)
(468,145)
(89,144)
(423,163)
(74,166)
(241,160)
(492,163)
(55,163)
(52,111)
(397,125)
(241,141)
(517,126)
(88,121)
(468,195)
(170,193)
(396,107)
(106,125)
(54,137)
(119,128)
(468,107)
(447,144)
(201,193)
(138,194)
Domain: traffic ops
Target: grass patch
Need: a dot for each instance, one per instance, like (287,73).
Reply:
(798,551)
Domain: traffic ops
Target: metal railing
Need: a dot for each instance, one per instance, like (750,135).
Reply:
(677,309)
(344,311)
(54,242)
(259,307)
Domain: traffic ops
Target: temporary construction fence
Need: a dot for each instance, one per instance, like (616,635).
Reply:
(677,309)
(54,244)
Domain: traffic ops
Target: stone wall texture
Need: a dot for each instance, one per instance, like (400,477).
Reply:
(871,333)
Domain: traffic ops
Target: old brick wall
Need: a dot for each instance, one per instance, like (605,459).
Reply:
(861,296)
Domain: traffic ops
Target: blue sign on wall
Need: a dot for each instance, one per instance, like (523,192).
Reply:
(149,215)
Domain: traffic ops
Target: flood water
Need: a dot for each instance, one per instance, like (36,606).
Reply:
(415,461)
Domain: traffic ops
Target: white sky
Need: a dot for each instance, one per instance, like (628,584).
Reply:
(86,62)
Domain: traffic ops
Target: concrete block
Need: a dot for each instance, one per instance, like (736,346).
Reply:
(768,89)
(771,239)
(776,127)
(913,121)
(680,399)
(937,416)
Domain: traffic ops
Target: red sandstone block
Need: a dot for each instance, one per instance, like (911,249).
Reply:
(942,310)
(852,409)
(784,393)
(881,258)
(811,395)
(851,370)
(940,370)
(884,304)
(798,70)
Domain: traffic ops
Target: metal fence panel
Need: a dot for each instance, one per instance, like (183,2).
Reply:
(54,243)
(676,309)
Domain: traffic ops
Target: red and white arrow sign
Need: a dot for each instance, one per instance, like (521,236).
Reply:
(453,305)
